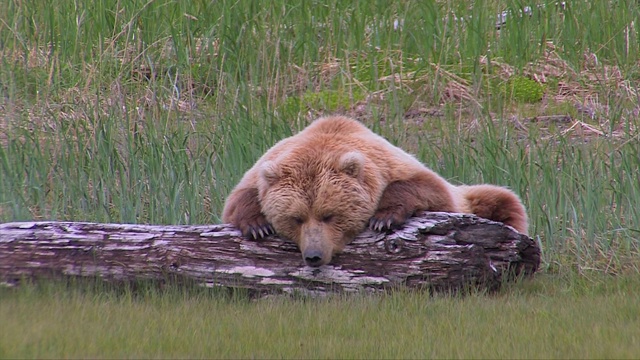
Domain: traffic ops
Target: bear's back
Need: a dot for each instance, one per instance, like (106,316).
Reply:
(334,135)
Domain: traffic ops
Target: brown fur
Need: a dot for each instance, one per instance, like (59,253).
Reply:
(496,203)
(244,212)
(322,186)
(403,198)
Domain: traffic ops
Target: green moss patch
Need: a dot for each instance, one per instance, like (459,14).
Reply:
(523,90)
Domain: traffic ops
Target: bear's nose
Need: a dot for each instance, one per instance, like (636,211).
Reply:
(313,258)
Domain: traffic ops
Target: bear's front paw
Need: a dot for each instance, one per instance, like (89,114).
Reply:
(387,219)
(256,228)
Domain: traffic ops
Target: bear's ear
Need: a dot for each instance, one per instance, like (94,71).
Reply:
(352,164)
(269,173)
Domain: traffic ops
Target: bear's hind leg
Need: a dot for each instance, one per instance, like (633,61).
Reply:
(244,212)
(403,198)
(498,204)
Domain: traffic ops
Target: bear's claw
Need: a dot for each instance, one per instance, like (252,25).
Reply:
(258,231)
(387,219)
(380,224)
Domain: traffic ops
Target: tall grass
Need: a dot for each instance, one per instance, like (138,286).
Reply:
(151,111)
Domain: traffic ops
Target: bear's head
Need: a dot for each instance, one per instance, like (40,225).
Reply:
(321,201)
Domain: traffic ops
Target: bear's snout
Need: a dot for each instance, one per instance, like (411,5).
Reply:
(313,257)
(316,250)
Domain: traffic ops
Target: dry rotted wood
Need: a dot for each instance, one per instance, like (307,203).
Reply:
(435,250)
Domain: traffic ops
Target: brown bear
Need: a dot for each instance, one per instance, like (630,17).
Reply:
(323,186)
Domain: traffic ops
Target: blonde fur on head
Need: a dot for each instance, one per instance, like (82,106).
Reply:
(269,173)
(352,163)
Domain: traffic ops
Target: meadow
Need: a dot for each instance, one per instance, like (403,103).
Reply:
(151,111)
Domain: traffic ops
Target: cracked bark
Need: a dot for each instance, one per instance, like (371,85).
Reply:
(438,251)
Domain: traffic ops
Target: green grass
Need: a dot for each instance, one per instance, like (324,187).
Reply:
(151,111)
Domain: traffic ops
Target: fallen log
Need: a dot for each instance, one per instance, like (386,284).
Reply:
(439,251)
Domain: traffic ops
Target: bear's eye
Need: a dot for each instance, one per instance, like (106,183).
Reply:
(327,218)
(299,220)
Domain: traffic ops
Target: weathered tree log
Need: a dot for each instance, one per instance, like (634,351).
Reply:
(435,250)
